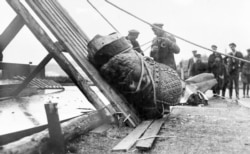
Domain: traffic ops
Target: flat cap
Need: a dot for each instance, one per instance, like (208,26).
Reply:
(160,25)
(232,44)
(213,46)
(133,31)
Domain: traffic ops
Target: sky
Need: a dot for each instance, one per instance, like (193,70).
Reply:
(204,22)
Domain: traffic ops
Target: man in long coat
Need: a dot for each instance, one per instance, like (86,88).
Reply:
(163,47)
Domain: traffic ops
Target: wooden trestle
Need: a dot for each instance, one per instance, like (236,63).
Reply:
(73,40)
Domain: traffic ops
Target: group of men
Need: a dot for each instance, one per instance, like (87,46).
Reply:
(226,70)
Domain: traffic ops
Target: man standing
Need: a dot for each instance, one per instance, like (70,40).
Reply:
(132,36)
(211,59)
(163,47)
(234,67)
(198,67)
(245,75)
(191,61)
(212,67)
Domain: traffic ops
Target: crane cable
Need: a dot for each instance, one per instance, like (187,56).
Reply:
(103,16)
(185,40)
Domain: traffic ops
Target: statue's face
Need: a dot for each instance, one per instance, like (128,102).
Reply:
(134,79)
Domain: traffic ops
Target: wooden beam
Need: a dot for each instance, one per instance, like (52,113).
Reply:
(63,62)
(56,141)
(75,48)
(10,32)
(148,137)
(42,64)
(126,143)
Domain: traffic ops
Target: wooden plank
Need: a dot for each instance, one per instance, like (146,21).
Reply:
(61,32)
(61,59)
(129,140)
(10,32)
(147,139)
(101,129)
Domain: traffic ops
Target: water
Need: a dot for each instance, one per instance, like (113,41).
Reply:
(27,112)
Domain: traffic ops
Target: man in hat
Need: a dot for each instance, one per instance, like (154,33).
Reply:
(132,36)
(211,66)
(211,59)
(163,46)
(198,67)
(234,68)
(191,61)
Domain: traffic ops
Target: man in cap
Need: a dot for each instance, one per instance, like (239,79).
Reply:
(198,67)
(234,68)
(132,36)
(211,66)
(211,58)
(163,46)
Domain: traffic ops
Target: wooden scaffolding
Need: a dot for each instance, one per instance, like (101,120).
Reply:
(70,39)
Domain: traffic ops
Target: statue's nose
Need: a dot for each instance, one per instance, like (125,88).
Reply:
(133,86)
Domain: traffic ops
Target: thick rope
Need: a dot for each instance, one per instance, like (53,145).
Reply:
(144,64)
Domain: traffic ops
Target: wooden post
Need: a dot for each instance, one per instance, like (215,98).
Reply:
(55,131)
(10,32)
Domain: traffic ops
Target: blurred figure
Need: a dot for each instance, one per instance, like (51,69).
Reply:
(211,68)
(191,61)
(234,67)
(220,74)
(198,67)
(164,47)
(226,77)
(132,36)
(211,59)
(245,75)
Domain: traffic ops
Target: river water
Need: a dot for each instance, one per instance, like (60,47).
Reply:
(27,112)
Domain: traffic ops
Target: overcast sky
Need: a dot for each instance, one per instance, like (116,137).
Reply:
(204,22)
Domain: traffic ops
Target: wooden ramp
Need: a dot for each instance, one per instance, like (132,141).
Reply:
(41,83)
(71,39)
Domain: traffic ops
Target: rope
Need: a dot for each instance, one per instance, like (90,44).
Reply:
(147,48)
(150,75)
(103,16)
(144,21)
(143,44)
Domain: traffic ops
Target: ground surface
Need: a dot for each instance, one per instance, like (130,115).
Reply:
(222,127)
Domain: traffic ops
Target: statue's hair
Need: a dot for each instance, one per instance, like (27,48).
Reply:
(117,70)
